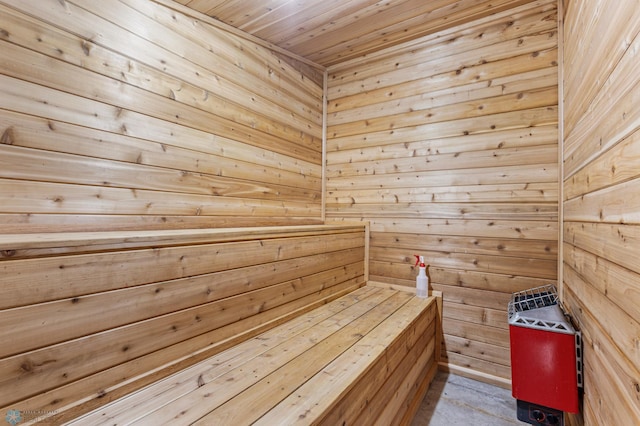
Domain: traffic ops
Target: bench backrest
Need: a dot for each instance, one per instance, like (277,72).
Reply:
(88,317)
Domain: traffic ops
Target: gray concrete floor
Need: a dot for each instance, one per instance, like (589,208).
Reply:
(454,400)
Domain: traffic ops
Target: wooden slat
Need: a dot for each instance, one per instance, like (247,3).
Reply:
(614,167)
(599,43)
(25,223)
(135,97)
(418,392)
(535,230)
(531,193)
(613,204)
(471,348)
(82,242)
(23,326)
(32,99)
(170,316)
(226,159)
(394,396)
(103,60)
(594,126)
(620,375)
(601,240)
(477,315)
(125,37)
(610,316)
(421,68)
(538,268)
(520,137)
(16,163)
(482,107)
(61,75)
(396,275)
(476,82)
(365,364)
(215,23)
(399,31)
(119,345)
(480,365)
(452,244)
(464,126)
(45,197)
(610,241)
(400,338)
(286,78)
(462,160)
(331,32)
(497,211)
(484,281)
(480,333)
(473,297)
(150,368)
(248,406)
(167,396)
(618,284)
(31,281)
(474,176)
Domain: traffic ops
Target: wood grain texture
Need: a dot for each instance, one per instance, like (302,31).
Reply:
(356,348)
(96,323)
(129,112)
(333,31)
(601,192)
(448,146)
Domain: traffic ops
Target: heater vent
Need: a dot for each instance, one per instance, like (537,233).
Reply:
(579,365)
(538,308)
(541,324)
(533,298)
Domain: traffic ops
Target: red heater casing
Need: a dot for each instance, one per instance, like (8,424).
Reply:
(544,358)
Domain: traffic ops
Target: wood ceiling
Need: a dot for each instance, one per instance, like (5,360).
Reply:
(328,32)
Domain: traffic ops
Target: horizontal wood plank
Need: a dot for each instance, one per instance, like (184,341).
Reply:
(30,281)
(37,223)
(520,137)
(453,244)
(394,325)
(94,102)
(170,316)
(262,396)
(182,383)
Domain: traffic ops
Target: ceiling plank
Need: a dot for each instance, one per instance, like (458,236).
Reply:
(328,32)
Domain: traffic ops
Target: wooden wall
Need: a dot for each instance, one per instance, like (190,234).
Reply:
(602,202)
(87,317)
(449,146)
(131,115)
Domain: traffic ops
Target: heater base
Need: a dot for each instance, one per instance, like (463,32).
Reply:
(539,415)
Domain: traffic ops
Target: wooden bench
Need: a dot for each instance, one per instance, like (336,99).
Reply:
(234,326)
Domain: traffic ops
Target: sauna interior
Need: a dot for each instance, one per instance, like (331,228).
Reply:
(182,179)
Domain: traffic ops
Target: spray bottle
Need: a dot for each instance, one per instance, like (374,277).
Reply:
(422,281)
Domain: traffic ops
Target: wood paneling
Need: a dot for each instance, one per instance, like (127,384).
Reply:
(96,315)
(333,31)
(369,351)
(601,192)
(125,115)
(448,145)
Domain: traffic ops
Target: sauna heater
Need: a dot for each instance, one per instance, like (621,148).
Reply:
(546,357)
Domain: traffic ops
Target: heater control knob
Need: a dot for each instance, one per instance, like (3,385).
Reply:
(538,416)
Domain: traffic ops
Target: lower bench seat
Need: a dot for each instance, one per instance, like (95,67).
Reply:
(364,358)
